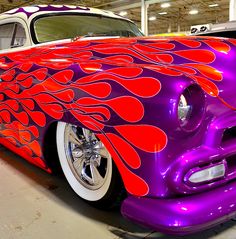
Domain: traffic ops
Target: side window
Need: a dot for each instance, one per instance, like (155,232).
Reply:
(20,37)
(6,33)
(12,35)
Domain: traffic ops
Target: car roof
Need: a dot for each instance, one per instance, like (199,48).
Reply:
(29,12)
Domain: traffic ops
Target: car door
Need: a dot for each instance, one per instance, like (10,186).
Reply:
(12,38)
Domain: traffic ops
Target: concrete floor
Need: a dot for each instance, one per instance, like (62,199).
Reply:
(36,205)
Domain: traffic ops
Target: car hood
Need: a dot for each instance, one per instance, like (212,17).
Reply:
(207,61)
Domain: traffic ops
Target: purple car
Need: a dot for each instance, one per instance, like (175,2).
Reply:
(143,121)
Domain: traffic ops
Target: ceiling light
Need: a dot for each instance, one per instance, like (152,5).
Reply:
(162,13)
(193,12)
(165,5)
(214,5)
(123,13)
(152,18)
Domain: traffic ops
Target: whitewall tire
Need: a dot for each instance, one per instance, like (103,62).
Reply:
(87,165)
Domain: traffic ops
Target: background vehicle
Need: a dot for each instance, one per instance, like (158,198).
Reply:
(227,30)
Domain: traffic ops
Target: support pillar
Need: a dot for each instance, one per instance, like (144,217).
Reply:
(169,28)
(144,17)
(178,28)
(232,10)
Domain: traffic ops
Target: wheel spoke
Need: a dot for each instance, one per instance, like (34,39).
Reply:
(97,159)
(88,135)
(96,176)
(101,150)
(79,165)
(104,153)
(85,177)
(73,138)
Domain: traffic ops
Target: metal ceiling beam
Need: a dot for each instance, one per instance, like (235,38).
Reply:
(108,3)
(134,5)
(154,1)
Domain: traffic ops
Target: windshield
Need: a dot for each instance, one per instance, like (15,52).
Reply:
(57,27)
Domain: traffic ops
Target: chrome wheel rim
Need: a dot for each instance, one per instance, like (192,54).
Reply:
(87,157)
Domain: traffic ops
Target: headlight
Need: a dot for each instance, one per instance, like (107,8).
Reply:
(184,110)
(191,108)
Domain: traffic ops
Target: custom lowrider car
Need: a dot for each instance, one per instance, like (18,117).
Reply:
(147,121)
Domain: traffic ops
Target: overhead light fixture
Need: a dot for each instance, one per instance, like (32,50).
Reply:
(162,13)
(152,18)
(193,12)
(213,5)
(123,13)
(165,5)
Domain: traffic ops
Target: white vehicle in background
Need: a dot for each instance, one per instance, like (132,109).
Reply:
(227,29)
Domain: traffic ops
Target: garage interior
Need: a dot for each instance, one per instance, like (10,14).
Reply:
(34,204)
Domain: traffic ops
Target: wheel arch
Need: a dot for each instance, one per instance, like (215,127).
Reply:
(50,154)
(49,148)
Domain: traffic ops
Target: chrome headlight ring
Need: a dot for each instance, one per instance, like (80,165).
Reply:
(191,108)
